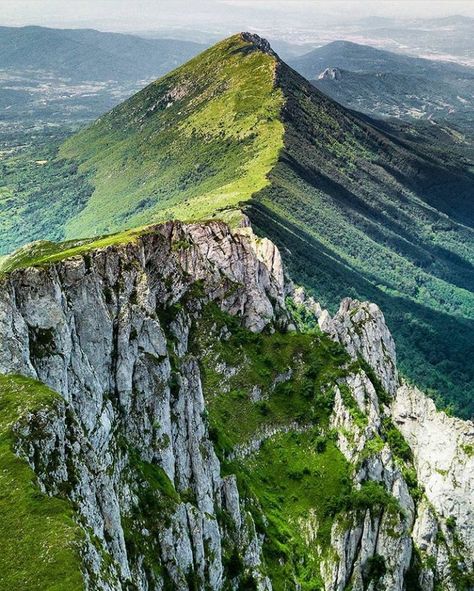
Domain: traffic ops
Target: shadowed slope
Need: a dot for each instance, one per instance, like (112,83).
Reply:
(356,212)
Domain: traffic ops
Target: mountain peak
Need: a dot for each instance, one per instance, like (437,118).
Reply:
(258,42)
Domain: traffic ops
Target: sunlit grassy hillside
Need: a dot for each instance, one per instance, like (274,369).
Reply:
(201,139)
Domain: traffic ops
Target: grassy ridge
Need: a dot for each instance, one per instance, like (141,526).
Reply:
(44,252)
(201,139)
(39,541)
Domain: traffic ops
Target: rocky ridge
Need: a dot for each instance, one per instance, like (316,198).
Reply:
(113,332)
(435,531)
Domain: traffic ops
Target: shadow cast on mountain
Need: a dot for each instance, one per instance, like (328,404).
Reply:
(428,353)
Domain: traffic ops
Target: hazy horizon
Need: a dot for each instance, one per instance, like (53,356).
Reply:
(218,16)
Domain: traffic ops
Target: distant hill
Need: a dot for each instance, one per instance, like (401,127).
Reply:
(355,210)
(363,58)
(85,54)
(387,84)
(386,94)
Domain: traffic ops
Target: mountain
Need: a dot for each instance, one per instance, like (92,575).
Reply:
(60,77)
(354,57)
(385,94)
(386,84)
(354,210)
(88,55)
(171,418)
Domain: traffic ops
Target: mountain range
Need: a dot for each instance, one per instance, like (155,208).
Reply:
(386,84)
(83,55)
(410,98)
(67,77)
(177,409)
(363,58)
(355,210)
(51,77)
(440,39)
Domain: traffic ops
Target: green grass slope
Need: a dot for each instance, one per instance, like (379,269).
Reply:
(355,209)
(297,484)
(39,541)
(200,139)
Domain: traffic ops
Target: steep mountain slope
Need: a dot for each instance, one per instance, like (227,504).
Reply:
(355,210)
(203,137)
(86,55)
(204,443)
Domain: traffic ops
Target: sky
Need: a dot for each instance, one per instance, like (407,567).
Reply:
(216,15)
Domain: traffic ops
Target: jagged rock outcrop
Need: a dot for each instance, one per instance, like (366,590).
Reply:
(443,449)
(330,74)
(367,537)
(436,531)
(113,331)
(90,328)
(258,42)
(361,329)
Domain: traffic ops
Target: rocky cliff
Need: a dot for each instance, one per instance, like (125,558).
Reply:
(208,436)
(425,459)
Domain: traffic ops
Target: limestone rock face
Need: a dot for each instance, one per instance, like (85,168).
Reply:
(360,327)
(384,534)
(443,449)
(258,42)
(90,328)
(112,332)
(436,534)
(330,74)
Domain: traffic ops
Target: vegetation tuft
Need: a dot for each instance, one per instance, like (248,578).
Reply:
(39,540)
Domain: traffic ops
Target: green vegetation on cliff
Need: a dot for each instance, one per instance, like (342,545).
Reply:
(39,540)
(269,398)
(44,252)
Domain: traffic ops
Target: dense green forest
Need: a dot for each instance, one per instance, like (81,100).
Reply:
(362,214)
